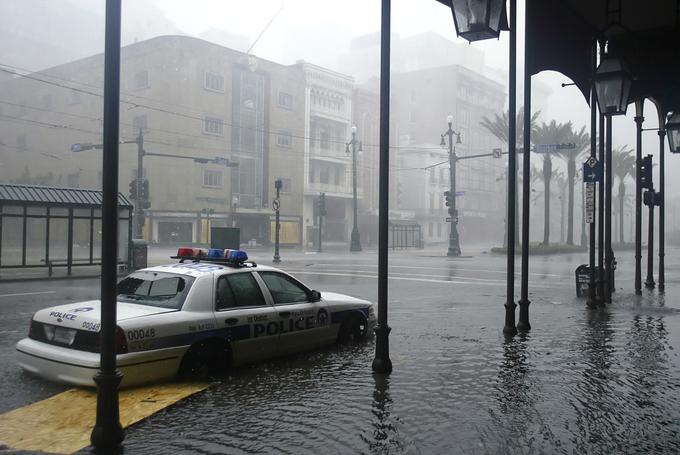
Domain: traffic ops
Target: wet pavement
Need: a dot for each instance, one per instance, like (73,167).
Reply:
(593,381)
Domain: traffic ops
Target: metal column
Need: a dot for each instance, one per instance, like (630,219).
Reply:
(510,305)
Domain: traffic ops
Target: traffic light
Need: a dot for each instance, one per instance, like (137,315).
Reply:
(278,184)
(646,172)
(144,193)
(322,204)
(648,198)
(133,189)
(447,198)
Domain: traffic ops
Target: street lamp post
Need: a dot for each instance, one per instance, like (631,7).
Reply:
(278,184)
(355,244)
(454,241)
(612,84)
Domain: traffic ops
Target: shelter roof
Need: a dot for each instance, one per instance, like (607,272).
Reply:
(54,196)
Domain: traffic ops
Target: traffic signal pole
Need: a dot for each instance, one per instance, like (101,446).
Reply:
(277,184)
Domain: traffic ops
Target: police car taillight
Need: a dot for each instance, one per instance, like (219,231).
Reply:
(121,342)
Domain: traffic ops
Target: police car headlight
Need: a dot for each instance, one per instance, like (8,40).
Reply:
(371,311)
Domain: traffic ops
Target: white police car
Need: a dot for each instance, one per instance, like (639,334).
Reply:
(210,310)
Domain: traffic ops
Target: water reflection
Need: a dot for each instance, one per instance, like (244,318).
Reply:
(384,436)
(595,397)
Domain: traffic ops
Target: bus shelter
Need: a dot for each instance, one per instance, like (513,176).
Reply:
(56,227)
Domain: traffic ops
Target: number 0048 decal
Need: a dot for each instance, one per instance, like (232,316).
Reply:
(140,334)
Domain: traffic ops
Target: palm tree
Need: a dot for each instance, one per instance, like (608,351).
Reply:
(623,165)
(549,133)
(561,182)
(499,127)
(582,141)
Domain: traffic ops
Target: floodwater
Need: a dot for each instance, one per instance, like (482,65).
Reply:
(583,381)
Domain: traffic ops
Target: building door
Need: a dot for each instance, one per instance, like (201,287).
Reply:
(175,232)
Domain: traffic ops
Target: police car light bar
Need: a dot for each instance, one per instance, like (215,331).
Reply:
(212,254)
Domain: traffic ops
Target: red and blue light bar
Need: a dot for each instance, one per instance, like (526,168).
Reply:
(212,254)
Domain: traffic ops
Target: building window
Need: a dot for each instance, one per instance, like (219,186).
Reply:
(213,125)
(21,143)
(284,139)
(212,178)
(142,80)
(285,99)
(214,82)
(324,139)
(286,185)
(74,97)
(139,122)
(324,175)
(73,180)
(429,229)
(412,117)
(439,230)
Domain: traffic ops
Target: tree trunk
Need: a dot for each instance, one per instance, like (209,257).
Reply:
(571,176)
(547,174)
(622,194)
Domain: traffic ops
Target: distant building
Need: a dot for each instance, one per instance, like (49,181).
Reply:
(202,101)
(427,97)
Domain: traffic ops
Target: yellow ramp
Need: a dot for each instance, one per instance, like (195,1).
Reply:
(62,423)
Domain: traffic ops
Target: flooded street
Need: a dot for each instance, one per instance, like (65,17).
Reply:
(596,381)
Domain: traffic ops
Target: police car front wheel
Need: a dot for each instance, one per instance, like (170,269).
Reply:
(353,329)
(204,360)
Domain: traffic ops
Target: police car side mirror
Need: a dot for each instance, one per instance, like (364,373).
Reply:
(314,296)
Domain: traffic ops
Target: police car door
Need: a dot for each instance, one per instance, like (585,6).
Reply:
(242,311)
(301,321)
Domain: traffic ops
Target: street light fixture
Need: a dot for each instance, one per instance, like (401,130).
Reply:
(477,19)
(355,244)
(612,84)
(673,132)
(454,241)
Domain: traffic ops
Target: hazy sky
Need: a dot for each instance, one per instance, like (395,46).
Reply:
(320,31)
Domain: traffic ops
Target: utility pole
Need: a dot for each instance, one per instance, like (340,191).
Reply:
(276,204)
(355,244)
(454,241)
(139,210)
(322,213)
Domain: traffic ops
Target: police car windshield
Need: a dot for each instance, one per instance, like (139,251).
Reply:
(160,289)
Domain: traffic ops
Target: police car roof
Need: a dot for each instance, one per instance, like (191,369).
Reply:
(199,268)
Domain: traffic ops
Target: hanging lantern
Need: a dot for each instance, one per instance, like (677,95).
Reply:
(673,132)
(612,85)
(477,19)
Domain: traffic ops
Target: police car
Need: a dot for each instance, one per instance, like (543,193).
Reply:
(193,318)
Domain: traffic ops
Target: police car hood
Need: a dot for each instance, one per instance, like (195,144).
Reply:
(75,315)
(333,297)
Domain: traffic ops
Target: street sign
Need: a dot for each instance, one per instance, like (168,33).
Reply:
(276,205)
(497,153)
(552,148)
(590,202)
(452,219)
(592,170)
(460,193)
(449,219)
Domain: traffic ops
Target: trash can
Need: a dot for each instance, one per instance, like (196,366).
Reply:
(583,280)
(139,254)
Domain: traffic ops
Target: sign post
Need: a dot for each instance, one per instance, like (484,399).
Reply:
(590,202)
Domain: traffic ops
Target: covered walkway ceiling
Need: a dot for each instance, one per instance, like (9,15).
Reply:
(561,35)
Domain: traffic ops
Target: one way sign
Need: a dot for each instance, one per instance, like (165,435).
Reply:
(592,170)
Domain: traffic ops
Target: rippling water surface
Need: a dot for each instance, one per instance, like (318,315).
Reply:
(583,381)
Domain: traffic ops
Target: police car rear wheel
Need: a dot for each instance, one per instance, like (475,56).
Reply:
(352,330)
(204,360)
